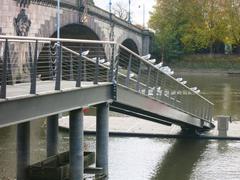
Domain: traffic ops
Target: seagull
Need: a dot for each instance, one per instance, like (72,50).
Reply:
(159,65)
(179,79)
(184,82)
(85,53)
(131,75)
(152,61)
(107,63)
(101,61)
(94,59)
(146,57)
(197,91)
(194,88)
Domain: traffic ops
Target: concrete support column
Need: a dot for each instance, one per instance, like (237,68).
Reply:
(102,136)
(52,135)
(76,145)
(23,150)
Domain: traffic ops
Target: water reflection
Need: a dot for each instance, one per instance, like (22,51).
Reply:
(180,160)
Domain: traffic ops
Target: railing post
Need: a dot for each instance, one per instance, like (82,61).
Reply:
(139,77)
(79,70)
(96,74)
(128,71)
(148,80)
(33,70)
(51,73)
(5,71)
(59,67)
(156,85)
(71,68)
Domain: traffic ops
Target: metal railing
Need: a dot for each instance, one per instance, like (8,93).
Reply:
(31,62)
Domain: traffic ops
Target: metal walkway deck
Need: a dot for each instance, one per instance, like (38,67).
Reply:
(40,77)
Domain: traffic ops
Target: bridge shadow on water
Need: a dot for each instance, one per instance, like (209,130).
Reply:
(180,160)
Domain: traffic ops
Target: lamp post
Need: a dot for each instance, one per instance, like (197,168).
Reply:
(110,6)
(143,15)
(129,11)
(58,20)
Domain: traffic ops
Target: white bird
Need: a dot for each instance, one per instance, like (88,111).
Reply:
(197,91)
(152,61)
(101,61)
(159,65)
(193,88)
(179,79)
(85,53)
(131,75)
(94,59)
(184,82)
(107,63)
(146,57)
(170,73)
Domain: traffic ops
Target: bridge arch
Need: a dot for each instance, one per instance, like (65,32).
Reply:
(130,44)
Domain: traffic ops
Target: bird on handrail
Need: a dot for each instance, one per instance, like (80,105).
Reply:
(152,61)
(179,79)
(194,88)
(159,65)
(184,82)
(146,57)
(85,53)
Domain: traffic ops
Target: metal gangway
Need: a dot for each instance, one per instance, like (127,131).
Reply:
(44,76)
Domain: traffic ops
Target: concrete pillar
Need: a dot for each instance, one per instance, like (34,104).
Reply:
(76,145)
(52,135)
(23,150)
(223,122)
(102,137)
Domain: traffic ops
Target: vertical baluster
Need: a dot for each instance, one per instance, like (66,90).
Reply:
(148,80)
(156,85)
(59,67)
(51,73)
(96,74)
(71,68)
(139,77)
(5,71)
(79,70)
(112,63)
(117,68)
(128,71)
(33,70)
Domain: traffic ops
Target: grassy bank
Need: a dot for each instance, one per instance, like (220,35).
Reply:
(229,63)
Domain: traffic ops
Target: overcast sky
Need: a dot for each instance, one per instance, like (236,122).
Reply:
(136,8)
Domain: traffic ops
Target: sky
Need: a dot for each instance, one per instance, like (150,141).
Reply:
(136,8)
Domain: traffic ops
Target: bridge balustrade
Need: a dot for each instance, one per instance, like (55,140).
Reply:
(37,65)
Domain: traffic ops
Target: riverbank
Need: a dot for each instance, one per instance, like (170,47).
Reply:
(210,64)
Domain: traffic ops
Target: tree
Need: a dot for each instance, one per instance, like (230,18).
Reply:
(120,11)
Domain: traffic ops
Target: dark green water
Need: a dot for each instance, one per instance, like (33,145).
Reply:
(144,158)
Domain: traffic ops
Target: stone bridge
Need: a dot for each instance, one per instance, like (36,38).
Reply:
(39,17)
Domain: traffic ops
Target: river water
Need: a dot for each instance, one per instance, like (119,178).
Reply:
(152,158)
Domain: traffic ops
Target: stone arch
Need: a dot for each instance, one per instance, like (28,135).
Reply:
(133,39)
(130,44)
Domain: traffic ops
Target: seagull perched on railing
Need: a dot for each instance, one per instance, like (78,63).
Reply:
(147,57)
(194,88)
(101,61)
(159,65)
(106,63)
(85,53)
(167,70)
(197,91)
(184,82)
(179,79)
(152,61)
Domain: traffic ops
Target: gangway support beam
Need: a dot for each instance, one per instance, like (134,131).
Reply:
(76,145)
(102,137)
(23,150)
(52,135)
